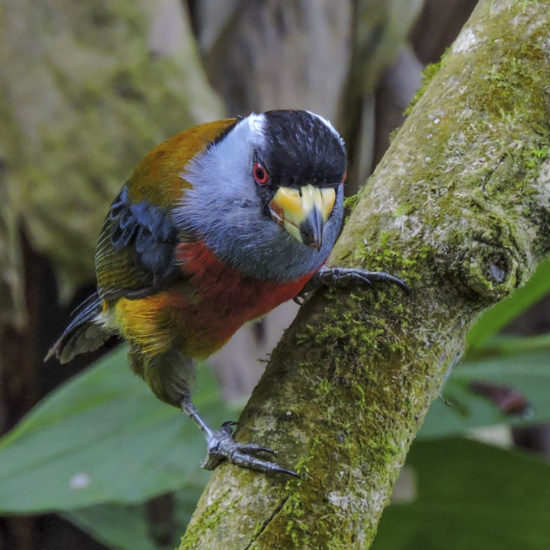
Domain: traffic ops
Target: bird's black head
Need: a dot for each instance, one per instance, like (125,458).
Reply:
(298,166)
(301,148)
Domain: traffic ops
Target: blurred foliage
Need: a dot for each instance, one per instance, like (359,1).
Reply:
(380,30)
(125,527)
(511,307)
(116,525)
(461,409)
(467,495)
(103,437)
(311,36)
(74,126)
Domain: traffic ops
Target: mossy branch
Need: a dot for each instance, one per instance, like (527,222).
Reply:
(459,207)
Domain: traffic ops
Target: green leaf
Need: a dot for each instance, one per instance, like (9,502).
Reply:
(470,496)
(103,437)
(463,409)
(506,344)
(116,526)
(120,527)
(508,309)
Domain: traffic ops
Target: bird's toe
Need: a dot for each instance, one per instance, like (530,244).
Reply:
(222,446)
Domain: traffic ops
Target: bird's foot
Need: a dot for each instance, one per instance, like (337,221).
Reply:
(333,277)
(336,276)
(221,446)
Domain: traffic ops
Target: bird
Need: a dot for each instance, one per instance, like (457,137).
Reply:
(216,226)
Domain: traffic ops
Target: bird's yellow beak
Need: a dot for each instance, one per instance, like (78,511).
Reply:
(303,212)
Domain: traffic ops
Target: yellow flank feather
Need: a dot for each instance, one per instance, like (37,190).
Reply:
(157,177)
(145,322)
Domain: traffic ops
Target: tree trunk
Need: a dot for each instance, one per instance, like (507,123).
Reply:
(458,207)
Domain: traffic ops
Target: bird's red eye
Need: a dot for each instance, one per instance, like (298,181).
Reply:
(260,173)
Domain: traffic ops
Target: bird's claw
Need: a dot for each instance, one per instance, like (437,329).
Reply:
(335,276)
(227,427)
(221,446)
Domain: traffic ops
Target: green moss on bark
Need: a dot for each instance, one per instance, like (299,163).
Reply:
(427,76)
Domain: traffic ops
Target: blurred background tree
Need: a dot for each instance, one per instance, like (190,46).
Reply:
(88,89)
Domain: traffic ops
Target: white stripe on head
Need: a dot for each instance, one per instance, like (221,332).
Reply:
(256,124)
(230,156)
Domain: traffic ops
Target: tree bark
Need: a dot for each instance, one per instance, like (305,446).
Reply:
(458,207)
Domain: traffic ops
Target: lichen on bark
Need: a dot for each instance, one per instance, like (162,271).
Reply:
(458,207)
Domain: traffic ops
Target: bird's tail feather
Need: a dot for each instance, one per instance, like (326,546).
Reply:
(82,334)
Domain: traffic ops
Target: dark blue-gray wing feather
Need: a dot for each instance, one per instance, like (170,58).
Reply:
(135,252)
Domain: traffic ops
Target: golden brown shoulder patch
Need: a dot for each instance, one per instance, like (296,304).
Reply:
(157,177)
